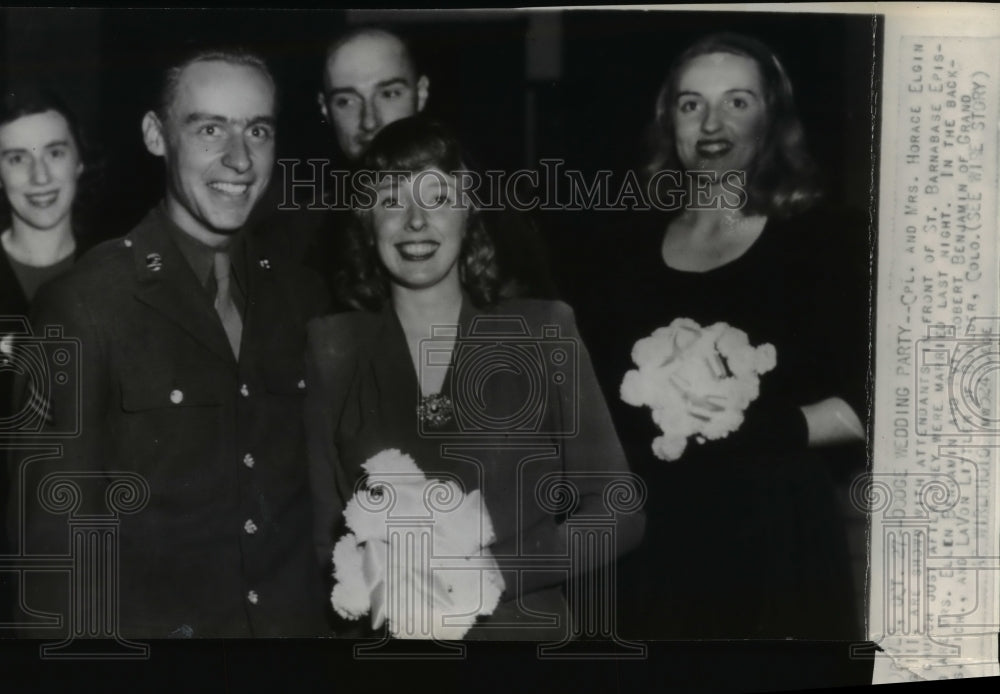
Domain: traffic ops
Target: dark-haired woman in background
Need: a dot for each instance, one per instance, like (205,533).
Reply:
(41,163)
(744,536)
(421,259)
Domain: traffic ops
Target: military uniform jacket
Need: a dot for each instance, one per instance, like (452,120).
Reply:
(213,450)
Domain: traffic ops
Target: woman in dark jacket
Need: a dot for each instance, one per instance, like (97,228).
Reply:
(41,165)
(495,395)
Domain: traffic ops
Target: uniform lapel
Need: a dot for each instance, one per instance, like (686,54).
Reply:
(269,315)
(168,285)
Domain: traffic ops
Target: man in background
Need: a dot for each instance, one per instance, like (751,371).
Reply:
(371,79)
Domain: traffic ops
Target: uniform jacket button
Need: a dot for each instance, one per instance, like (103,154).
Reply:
(244,391)
(176,397)
(250,527)
(248,460)
(253,597)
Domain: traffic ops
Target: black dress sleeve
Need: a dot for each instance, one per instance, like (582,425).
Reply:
(841,269)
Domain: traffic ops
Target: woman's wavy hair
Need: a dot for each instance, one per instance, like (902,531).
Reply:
(783,179)
(412,145)
(31,100)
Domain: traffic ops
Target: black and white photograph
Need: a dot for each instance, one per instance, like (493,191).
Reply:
(539,344)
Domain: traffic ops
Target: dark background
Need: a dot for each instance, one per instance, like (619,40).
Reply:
(517,87)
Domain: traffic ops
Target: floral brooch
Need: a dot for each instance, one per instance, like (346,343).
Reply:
(435,410)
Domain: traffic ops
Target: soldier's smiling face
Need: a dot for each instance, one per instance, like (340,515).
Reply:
(218,142)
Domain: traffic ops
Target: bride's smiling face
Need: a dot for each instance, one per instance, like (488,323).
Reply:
(419,228)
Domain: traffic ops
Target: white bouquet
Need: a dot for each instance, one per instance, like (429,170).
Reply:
(423,589)
(697,381)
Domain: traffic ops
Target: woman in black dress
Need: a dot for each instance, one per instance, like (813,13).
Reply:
(40,167)
(744,538)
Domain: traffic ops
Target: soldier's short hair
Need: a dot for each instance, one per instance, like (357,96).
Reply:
(233,56)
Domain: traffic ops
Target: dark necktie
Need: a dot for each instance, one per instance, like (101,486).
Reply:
(224,304)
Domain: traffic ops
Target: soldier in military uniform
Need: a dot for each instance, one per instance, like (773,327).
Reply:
(190,390)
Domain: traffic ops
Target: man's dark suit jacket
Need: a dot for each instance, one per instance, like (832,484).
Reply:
(222,547)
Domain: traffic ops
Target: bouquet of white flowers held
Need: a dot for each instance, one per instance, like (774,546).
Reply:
(430,585)
(697,381)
